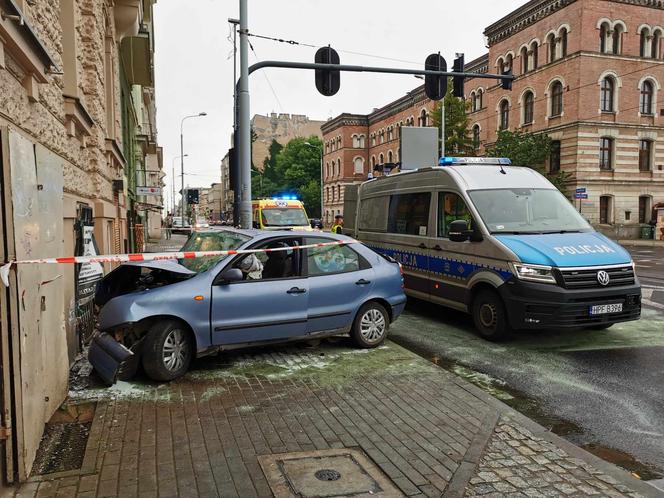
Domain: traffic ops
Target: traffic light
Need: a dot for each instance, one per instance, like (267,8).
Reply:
(435,87)
(458,81)
(507,84)
(192,196)
(327,80)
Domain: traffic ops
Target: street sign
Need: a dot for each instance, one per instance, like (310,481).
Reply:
(580,196)
(148,191)
(581,190)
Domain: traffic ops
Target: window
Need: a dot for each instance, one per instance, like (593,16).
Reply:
(338,192)
(451,207)
(607,90)
(504,115)
(605,210)
(524,60)
(338,167)
(381,159)
(535,49)
(373,214)
(273,265)
(408,214)
(554,157)
(473,101)
(643,43)
(373,162)
(332,259)
(479,99)
(423,118)
(606,154)
(373,140)
(476,136)
(358,164)
(327,193)
(389,157)
(655,42)
(603,37)
(390,134)
(356,141)
(362,141)
(528,107)
(617,39)
(509,62)
(563,42)
(556,99)
(644,209)
(551,42)
(500,65)
(646,97)
(645,154)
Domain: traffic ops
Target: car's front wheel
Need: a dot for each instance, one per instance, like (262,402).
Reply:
(371,325)
(489,316)
(167,350)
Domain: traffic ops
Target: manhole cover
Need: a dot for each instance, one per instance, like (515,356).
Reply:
(62,448)
(327,475)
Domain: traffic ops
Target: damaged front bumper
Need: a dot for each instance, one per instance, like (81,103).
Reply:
(107,356)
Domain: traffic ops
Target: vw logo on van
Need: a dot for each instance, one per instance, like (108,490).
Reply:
(603,278)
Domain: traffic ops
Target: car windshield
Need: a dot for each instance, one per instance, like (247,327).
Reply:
(210,241)
(527,211)
(284,217)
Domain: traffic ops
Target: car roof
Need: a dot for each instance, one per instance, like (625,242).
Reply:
(266,234)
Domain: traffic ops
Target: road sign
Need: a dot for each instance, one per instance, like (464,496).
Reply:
(148,191)
(581,190)
(580,196)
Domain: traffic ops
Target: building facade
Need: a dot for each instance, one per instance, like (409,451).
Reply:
(589,74)
(76,127)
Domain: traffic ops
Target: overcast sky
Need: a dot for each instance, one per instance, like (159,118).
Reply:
(194,63)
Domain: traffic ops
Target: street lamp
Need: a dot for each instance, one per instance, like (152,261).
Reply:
(320,151)
(173,181)
(200,114)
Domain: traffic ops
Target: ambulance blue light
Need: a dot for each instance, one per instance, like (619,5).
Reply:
(450,161)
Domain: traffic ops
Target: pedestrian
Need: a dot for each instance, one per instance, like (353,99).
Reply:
(338,224)
(169,225)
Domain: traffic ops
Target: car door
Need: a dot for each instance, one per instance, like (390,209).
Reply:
(340,279)
(269,304)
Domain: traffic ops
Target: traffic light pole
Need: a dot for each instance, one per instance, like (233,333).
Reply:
(243,198)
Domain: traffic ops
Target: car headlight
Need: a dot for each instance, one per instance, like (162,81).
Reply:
(533,273)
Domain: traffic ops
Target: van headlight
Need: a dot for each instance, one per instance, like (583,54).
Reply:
(534,273)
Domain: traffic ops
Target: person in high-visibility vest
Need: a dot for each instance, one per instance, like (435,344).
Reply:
(338,224)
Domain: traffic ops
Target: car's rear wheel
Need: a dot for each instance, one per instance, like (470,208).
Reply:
(371,325)
(489,316)
(167,351)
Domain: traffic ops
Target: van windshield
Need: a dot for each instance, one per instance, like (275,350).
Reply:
(284,217)
(527,211)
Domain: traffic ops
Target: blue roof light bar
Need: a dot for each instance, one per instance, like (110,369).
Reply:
(452,161)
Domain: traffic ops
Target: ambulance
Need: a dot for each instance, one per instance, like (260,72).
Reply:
(279,213)
(498,242)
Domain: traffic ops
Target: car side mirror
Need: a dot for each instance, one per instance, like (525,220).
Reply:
(229,275)
(459,231)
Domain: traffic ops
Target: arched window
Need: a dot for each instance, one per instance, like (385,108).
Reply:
(476,136)
(423,118)
(473,101)
(373,139)
(528,107)
(339,192)
(563,42)
(617,39)
(381,159)
(373,162)
(504,115)
(356,141)
(556,99)
(551,43)
(390,133)
(534,48)
(327,193)
(480,94)
(358,165)
(643,43)
(500,65)
(524,60)
(647,91)
(655,43)
(509,61)
(338,167)
(362,141)
(607,93)
(389,157)
(604,31)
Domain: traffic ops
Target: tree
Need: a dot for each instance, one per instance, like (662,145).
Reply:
(458,140)
(264,182)
(531,150)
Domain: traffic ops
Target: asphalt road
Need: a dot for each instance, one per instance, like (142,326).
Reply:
(602,390)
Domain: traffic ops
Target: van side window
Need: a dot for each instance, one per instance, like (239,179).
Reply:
(373,214)
(451,207)
(409,213)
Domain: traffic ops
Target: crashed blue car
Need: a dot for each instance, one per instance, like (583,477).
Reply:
(162,314)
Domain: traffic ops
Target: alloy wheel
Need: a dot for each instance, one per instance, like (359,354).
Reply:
(175,351)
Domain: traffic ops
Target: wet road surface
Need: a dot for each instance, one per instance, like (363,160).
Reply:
(650,268)
(603,390)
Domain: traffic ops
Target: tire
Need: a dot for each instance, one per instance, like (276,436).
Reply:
(371,325)
(489,316)
(165,336)
(602,326)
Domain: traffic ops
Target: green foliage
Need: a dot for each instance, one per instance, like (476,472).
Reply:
(294,168)
(458,139)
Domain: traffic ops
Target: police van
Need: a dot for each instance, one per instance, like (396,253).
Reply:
(497,241)
(280,213)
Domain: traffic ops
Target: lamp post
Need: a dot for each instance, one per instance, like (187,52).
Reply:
(173,181)
(320,152)
(182,155)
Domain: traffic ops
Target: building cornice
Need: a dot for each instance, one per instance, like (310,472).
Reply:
(401,104)
(345,119)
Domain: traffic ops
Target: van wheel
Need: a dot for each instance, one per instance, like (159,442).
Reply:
(370,326)
(489,316)
(167,351)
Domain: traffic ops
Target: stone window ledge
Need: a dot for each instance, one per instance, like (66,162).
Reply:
(115,154)
(79,121)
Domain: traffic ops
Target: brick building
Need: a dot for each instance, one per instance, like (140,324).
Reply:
(589,74)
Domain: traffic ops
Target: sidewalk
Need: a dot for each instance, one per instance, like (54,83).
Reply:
(264,422)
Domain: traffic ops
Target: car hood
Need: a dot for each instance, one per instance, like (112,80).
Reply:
(566,249)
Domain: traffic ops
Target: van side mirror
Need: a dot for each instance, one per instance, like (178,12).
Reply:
(229,275)
(459,231)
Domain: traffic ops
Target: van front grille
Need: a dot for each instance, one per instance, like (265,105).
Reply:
(588,278)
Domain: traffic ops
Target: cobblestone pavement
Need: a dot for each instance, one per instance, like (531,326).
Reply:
(425,429)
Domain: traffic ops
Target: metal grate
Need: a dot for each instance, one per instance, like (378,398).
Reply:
(62,448)
(587,278)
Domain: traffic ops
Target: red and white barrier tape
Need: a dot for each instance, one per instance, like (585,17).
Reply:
(154,256)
